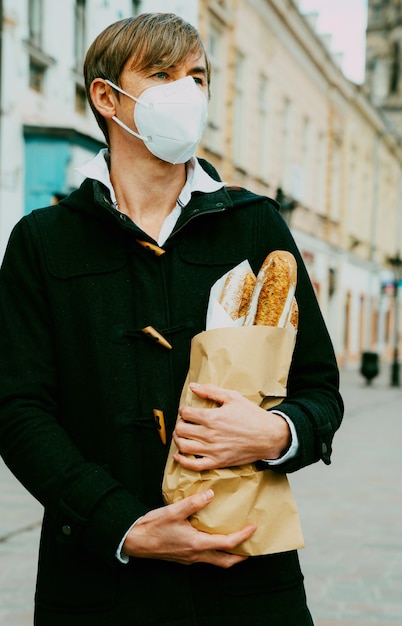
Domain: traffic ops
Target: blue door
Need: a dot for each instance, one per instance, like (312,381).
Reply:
(46,161)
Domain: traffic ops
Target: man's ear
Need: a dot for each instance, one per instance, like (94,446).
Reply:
(103,98)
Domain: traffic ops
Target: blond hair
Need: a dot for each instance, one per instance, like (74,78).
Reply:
(160,40)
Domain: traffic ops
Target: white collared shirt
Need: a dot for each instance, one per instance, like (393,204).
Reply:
(197,180)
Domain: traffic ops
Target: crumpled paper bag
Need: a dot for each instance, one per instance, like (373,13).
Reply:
(255,361)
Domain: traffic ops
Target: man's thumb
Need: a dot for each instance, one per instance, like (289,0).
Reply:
(196,502)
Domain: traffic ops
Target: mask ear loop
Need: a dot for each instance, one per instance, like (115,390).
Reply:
(119,122)
(130,130)
(109,82)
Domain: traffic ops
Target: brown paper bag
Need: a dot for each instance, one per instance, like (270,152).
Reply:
(255,361)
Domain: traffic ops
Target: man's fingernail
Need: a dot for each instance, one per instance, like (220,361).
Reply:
(194,385)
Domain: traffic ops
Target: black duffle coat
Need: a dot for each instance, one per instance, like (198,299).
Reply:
(79,381)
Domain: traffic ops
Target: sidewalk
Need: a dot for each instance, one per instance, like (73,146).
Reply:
(351,514)
(20,519)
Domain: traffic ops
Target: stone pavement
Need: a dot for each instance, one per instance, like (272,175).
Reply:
(20,518)
(351,513)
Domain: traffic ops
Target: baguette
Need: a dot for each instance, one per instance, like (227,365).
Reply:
(294,314)
(271,303)
(247,293)
(237,291)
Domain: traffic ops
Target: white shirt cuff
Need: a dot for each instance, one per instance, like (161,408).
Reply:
(123,558)
(294,446)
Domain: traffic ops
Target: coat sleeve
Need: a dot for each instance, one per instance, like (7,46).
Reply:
(313,403)
(89,506)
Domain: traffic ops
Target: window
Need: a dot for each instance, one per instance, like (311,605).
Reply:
(136,8)
(351,195)
(79,33)
(35,13)
(286,143)
(214,129)
(39,61)
(377,9)
(80,99)
(306,153)
(335,182)
(263,127)
(395,68)
(346,338)
(238,114)
(320,173)
(36,75)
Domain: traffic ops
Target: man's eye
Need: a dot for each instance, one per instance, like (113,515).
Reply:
(161,75)
(198,81)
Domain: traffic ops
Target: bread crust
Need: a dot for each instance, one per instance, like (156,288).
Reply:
(294,314)
(267,300)
(237,291)
(274,290)
(247,294)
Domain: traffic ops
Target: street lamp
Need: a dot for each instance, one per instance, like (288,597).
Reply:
(286,204)
(396,263)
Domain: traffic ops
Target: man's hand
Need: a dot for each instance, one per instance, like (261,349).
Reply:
(166,534)
(234,433)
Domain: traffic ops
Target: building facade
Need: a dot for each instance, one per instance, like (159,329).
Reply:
(384,58)
(283,121)
(286,119)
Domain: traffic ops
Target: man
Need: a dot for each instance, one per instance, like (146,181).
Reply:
(100,297)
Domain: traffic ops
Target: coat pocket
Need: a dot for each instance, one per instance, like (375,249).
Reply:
(70,578)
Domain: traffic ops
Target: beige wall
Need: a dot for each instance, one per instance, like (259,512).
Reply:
(285,116)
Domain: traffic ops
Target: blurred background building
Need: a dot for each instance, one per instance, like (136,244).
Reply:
(284,121)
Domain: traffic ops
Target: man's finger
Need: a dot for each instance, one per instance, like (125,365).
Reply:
(190,505)
(226,543)
(213,392)
(198,464)
(237,537)
(224,559)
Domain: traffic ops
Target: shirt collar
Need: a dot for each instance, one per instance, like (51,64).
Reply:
(197,178)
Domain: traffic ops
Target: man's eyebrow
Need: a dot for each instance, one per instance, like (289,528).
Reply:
(160,65)
(199,69)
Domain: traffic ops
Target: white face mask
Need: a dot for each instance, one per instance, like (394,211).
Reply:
(170,119)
